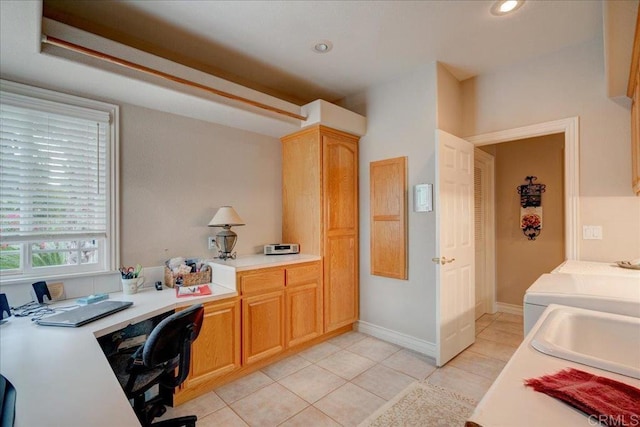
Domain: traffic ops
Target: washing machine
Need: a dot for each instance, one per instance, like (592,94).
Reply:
(585,288)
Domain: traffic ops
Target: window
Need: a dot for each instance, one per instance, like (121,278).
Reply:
(58,210)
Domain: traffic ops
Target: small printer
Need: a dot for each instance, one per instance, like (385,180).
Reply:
(281,248)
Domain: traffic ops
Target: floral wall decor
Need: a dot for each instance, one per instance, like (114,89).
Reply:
(531,207)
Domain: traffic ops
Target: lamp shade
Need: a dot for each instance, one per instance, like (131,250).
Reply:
(226,215)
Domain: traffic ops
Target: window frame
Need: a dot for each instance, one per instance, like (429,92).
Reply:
(109,252)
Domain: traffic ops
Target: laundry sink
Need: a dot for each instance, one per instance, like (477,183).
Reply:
(602,340)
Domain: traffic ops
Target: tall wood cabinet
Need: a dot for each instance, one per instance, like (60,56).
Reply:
(633,92)
(320,211)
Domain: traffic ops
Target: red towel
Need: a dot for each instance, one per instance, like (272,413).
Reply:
(610,402)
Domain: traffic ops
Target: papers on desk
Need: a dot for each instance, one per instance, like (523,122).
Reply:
(193,291)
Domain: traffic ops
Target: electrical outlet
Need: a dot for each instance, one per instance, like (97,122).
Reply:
(212,242)
(592,232)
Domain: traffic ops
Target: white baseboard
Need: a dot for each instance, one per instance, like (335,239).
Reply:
(425,347)
(503,307)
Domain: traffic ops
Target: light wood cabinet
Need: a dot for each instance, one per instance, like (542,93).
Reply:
(303,293)
(388,205)
(635,135)
(281,308)
(262,326)
(279,312)
(216,352)
(320,211)
(262,313)
(633,92)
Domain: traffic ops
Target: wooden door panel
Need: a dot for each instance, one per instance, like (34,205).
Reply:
(304,313)
(261,280)
(217,349)
(341,289)
(388,199)
(340,184)
(262,325)
(303,274)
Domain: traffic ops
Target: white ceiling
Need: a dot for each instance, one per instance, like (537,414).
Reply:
(268,45)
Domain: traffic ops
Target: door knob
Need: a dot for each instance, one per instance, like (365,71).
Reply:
(442,260)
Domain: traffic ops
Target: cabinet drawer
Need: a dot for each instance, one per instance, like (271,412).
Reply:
(261,280)
(303,274)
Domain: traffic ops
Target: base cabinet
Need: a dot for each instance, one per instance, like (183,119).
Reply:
(303,304)
(216,352)
(279,308)
(262,326)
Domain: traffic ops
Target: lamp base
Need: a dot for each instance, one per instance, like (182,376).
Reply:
(225,241)
(226,255)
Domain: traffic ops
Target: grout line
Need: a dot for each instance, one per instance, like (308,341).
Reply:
(340,348)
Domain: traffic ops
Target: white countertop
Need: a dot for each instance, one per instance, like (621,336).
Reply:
(509,403)
(251,262)
(224,271)
(597,268)
(61,375)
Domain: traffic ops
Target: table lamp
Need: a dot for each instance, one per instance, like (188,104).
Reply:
(226,217)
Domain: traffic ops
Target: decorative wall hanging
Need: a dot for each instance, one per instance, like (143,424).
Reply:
(531,207)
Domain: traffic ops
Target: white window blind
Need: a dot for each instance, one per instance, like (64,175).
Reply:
(53,172)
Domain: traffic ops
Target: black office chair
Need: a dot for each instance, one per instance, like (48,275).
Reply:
(167,348)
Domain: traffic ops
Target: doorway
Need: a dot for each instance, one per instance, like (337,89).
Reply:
(569,129)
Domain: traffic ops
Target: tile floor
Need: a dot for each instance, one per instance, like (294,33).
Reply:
(342,381)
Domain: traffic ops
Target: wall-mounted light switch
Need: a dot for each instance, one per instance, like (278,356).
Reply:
(592,232)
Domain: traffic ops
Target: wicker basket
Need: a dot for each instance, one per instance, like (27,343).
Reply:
(189,279)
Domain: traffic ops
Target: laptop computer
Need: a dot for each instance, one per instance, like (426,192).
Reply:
(85,314)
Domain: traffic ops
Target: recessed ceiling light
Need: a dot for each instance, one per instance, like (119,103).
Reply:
(323,46)
(502,7)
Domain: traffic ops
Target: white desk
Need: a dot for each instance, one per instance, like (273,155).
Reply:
(61,375)
(509,403)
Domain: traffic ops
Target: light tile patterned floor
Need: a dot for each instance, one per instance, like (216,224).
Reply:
(342,381)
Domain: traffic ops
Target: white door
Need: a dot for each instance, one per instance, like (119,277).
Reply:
(483,186)
(455,287)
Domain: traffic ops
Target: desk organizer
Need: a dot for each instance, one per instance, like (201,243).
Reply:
(189,279)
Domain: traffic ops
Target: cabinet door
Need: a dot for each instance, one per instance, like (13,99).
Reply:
(217,349)
(340,283)
(635,136)
(303,303)
(340,190)
(262,326)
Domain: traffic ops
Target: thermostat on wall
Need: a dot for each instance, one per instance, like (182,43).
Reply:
(423,198)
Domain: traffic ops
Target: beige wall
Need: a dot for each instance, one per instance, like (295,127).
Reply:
(401,121)
(521,261)
(174,174)
(566,84)
(449,102)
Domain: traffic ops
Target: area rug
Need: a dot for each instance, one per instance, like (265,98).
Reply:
(423,404)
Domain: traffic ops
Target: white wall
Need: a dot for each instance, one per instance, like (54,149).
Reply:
(401,121)
(565,84)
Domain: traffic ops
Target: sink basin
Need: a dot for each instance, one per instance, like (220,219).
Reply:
(602,340)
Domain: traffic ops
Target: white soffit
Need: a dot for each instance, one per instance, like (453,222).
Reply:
(334,116)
